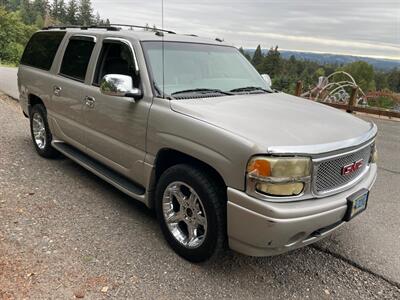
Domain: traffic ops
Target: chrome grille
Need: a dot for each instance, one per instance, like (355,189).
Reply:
(328,173)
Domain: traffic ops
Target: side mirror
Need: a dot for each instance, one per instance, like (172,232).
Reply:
(119,86)
(267,79)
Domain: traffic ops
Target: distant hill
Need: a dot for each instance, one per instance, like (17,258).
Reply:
(326,58)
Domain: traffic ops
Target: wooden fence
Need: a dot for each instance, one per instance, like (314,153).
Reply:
(352,105)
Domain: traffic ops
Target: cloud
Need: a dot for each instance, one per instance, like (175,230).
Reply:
(357,27)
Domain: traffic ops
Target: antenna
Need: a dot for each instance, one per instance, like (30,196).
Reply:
(162,43)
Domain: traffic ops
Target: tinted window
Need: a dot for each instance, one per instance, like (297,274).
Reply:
(76,58)
(42,49)
(115,58)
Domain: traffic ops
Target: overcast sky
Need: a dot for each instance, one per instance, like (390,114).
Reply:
(356,27)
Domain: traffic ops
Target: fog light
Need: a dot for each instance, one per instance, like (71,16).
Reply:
(280,189)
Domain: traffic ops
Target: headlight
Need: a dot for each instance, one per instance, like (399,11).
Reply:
(374,155)
(279,176)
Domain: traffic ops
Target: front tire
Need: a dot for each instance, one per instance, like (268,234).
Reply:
(191,210)
(40,132)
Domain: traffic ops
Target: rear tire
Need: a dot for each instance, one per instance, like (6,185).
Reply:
(191,210)
(40,132)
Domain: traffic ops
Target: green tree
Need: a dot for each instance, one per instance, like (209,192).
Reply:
(72,13)
(54,9)
(10,5)
(241,50)
(394,80)
(272,63)
(257,58)
(39,23)
(85,12)
(14,35)
(28,14)
(363,74)
(40,7)
(62,12)
(381,81)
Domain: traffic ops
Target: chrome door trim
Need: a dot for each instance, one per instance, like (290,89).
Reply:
(129,44)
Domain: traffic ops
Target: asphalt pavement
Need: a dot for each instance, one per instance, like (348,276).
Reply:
(65,233)
(372,241)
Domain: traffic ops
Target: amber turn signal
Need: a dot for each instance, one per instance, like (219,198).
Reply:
(259,167)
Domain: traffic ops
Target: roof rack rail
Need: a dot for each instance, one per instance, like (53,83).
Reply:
(144,27)
(109,28)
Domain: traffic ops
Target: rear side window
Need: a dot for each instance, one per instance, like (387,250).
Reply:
(76,58)
(42,49)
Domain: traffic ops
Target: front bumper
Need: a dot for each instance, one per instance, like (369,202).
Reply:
(262,228)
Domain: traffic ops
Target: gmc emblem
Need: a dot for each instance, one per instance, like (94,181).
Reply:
(346,170)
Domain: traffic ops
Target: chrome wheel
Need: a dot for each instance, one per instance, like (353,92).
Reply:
(39,130)
(184,214)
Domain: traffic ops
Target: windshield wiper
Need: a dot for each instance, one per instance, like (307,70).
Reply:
(250,89)
(201,91)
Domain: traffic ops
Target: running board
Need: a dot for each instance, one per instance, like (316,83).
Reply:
(120,182)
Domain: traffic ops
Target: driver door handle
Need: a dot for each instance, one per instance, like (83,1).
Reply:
(57,90)
(90,101)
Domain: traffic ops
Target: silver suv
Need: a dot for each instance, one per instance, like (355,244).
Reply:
(187,126)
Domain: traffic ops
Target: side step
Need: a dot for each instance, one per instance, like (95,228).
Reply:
(120,182)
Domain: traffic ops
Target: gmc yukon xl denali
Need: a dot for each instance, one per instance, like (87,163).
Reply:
(187,126)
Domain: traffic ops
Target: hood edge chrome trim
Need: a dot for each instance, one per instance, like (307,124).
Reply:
(325,148)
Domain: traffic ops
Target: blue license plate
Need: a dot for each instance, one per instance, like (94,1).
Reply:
(356,204)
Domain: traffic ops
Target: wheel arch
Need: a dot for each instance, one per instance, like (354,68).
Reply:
(168,157)
(34,100)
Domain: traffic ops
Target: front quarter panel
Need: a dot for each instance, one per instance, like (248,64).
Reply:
(225,152)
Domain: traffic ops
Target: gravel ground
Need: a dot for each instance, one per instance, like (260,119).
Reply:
(66,234)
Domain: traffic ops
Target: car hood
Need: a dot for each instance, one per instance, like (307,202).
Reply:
(277,119)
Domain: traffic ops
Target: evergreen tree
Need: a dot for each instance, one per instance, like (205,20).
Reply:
(10,5)
(85,12)
(381,80)
(72,13)
(108,22)
(97,19)
(62,12)
(257,58)
(394,80)
(241,50)
(272,63)
(40,7)
(54,10)
(28,14)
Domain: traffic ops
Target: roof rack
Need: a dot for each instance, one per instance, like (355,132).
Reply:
(144,27)
(109,28)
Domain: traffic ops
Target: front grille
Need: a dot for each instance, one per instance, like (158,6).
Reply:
(328,173)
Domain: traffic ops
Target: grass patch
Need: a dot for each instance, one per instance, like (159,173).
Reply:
(382,102)
(5,64)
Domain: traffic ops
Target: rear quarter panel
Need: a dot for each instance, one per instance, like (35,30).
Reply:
(32,81)
(38,82)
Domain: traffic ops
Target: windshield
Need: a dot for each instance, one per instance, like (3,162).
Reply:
(191,67)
